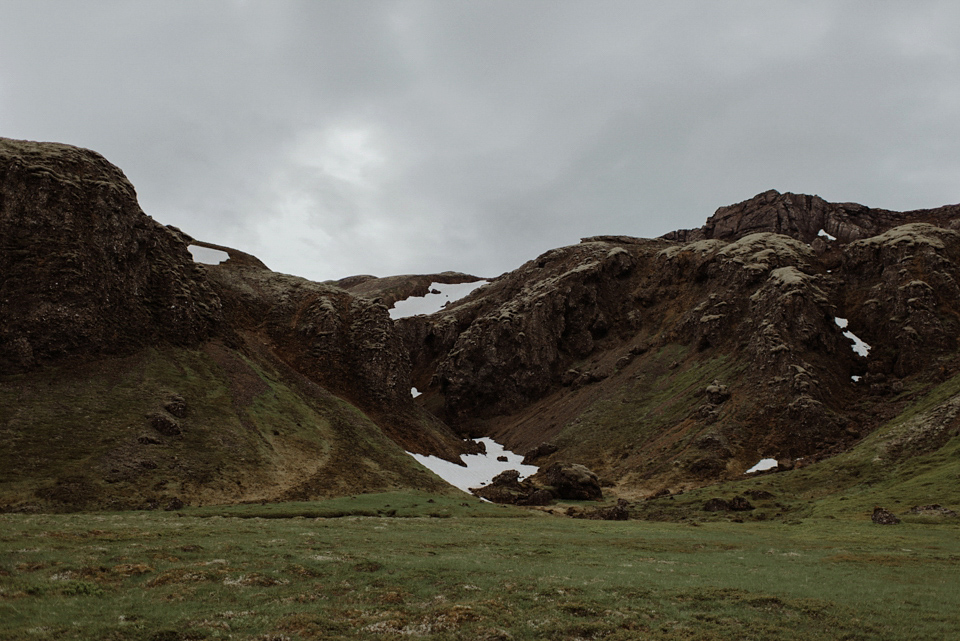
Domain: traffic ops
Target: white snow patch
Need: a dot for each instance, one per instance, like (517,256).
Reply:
(764,464)
(208,256)
(431,303)
(823,233)
(480,468)
(414,392)
(855,378)
(858,346)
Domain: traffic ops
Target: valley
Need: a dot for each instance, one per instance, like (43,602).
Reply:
(195,446)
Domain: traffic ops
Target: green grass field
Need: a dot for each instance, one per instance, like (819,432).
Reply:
(454,568)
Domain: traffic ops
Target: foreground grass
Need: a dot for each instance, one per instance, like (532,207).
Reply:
(456,569)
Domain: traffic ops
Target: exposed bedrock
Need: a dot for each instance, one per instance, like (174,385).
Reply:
(85,271)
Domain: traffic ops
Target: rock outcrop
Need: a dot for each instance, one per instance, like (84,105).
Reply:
(803,217)
(883,516)
(85,271)
(507,488)
(739,321)
(560,481)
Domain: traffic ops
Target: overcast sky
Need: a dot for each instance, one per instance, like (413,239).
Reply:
(338,138)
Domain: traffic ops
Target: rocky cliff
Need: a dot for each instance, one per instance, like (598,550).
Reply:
(133,376)
(85,272)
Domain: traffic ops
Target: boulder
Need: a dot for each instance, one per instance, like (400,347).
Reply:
(165,424)
(618,512)
(570,481)
(882,516)
(717,393)
(176,405)
(716,505)
(540,451)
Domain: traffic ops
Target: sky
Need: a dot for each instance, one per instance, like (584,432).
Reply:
(332,138)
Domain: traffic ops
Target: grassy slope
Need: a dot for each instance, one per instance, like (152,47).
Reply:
(914,459)
(156,575)
(79,436)
(649,419)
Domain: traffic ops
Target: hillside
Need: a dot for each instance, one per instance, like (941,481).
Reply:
(786,327)
(133,376)
(676,362)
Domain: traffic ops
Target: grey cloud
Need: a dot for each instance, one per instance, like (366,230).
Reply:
(389,137)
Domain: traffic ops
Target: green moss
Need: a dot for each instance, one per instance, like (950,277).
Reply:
(81,437)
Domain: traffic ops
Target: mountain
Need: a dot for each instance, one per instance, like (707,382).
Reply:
(684,360)
(134,376)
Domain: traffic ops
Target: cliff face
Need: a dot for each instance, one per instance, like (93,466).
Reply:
(84,270)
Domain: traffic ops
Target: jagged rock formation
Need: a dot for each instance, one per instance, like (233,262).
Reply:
(803,217)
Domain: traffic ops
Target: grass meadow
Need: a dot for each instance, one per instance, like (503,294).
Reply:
(391,566)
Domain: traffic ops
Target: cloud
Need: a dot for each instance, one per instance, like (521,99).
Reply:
(417,136)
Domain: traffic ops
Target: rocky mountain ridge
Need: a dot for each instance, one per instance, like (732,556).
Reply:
(569,347)
(660,364)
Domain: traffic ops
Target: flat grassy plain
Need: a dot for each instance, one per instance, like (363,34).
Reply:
(409,565)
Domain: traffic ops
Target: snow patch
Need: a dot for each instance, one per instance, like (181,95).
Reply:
(763,465)
(823,233)
(414,392)
(207,256)
(855,378)
(431,303)
(859,346)
(480,468)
